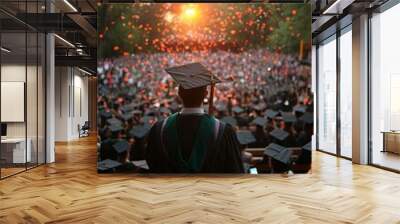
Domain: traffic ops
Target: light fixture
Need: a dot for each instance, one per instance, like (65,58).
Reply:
(84,71)
(64,40)
(337,7)
(70,5)
(5,50)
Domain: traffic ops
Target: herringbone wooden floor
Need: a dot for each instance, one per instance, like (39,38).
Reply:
(70,191)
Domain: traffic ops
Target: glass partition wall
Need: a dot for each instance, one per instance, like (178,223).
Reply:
(22,107)
(385,89)
(327,95)
(334,94)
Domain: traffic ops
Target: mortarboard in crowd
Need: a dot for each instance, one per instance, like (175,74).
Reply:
(192,75)
(278,152)
(121,146)
(260,121)
(279,134)
(271,113)
(230,120)
(245,137)
(107,165)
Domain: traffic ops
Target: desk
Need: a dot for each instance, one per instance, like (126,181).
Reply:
(13,150)
(391,141)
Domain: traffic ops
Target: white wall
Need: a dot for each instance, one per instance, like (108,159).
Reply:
(33,127)
(13,73)
(71,94)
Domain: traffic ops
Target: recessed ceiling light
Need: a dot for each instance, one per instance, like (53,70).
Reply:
(70,5)
(5,50)
(64,40)
(84,71)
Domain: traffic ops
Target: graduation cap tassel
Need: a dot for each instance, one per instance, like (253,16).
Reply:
(211,100)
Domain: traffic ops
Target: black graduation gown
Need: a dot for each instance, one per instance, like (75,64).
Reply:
(222,156)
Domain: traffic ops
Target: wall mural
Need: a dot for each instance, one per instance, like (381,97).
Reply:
(204,88)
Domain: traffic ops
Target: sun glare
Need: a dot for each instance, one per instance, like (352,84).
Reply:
(189,12)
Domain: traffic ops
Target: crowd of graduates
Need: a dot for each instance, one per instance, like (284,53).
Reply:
(266,96)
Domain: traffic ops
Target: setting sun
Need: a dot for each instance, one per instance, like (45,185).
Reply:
(189,12)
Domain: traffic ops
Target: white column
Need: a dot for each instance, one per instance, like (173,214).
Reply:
(50,92)
(360,90)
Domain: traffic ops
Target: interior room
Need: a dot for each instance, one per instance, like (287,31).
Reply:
(22,102)
(54,116)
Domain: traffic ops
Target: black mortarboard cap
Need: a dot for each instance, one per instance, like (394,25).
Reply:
(279,134)
(141,164)
(146,119)
(271,113)
(237,109)
(192,75)
(121,146)
(127,116)
(245,137)
(307,118)
(300,108)
(259,121)
(288,117)
(139,131)
(278,152)
(307,146)
(151,111)
(128,107)
(106,114)
(107,164)
(165,110)
(114,121)
(116,128)
(229,120)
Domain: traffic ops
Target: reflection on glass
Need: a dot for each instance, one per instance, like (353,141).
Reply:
(31,96)
(41,99)
(385,84)
(346,94)
(327,96)
(15,151)
(22,90)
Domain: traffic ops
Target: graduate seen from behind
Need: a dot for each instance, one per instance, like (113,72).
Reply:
(192,141)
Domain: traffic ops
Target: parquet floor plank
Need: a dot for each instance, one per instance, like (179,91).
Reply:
(71,191)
